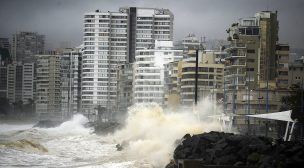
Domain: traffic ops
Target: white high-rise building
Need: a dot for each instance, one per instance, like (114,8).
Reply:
(28,82)
(149,67)
(105,47)
(147,25)
(110,40)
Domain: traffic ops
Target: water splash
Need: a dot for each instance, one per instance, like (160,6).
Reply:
(151,133)
(5,128)
(25,145)
(75,126)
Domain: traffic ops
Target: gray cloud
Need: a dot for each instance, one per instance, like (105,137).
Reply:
(62,20)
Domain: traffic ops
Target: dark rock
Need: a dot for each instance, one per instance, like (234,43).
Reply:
(226,160)
(186,136)
(253,158)
(216,148)
(119,147)
(239,163)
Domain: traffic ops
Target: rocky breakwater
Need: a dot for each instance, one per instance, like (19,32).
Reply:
(217,148)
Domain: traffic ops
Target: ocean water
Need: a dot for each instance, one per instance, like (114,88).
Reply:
(149,137)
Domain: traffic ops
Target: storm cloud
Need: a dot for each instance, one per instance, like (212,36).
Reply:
(62,20)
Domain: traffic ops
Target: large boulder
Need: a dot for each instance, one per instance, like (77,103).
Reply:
(217,148)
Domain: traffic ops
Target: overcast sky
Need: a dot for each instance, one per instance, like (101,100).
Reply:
(62,20)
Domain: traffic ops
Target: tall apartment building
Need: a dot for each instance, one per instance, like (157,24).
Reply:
(25,45)
(20,82)
(111,39)
(48,90)
(251,68)
(105,47)
(149,67)
(242,64)
(70,72)
(28,82)
(181,78)
(147,25)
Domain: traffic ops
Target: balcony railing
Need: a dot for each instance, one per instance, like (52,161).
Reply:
(238,45)
(235,56)
(237,64)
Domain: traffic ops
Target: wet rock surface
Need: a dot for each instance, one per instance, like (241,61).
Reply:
(217,148)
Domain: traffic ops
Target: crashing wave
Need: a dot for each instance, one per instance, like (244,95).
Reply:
(151,132)
(26,145)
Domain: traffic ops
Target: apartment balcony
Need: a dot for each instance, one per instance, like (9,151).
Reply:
(235,65)
(187,86)
(148,98)
(174,82)
(283,69)
(193,80)
(187,93)
(285,77)
(187,100)
(144,80)
(233,75)
(237,56)
(235,84)
(237,46)
(148,91)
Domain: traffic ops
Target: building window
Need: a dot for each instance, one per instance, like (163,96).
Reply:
(250,60)
(250,51)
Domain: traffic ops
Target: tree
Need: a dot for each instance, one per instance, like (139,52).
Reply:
(294,102)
